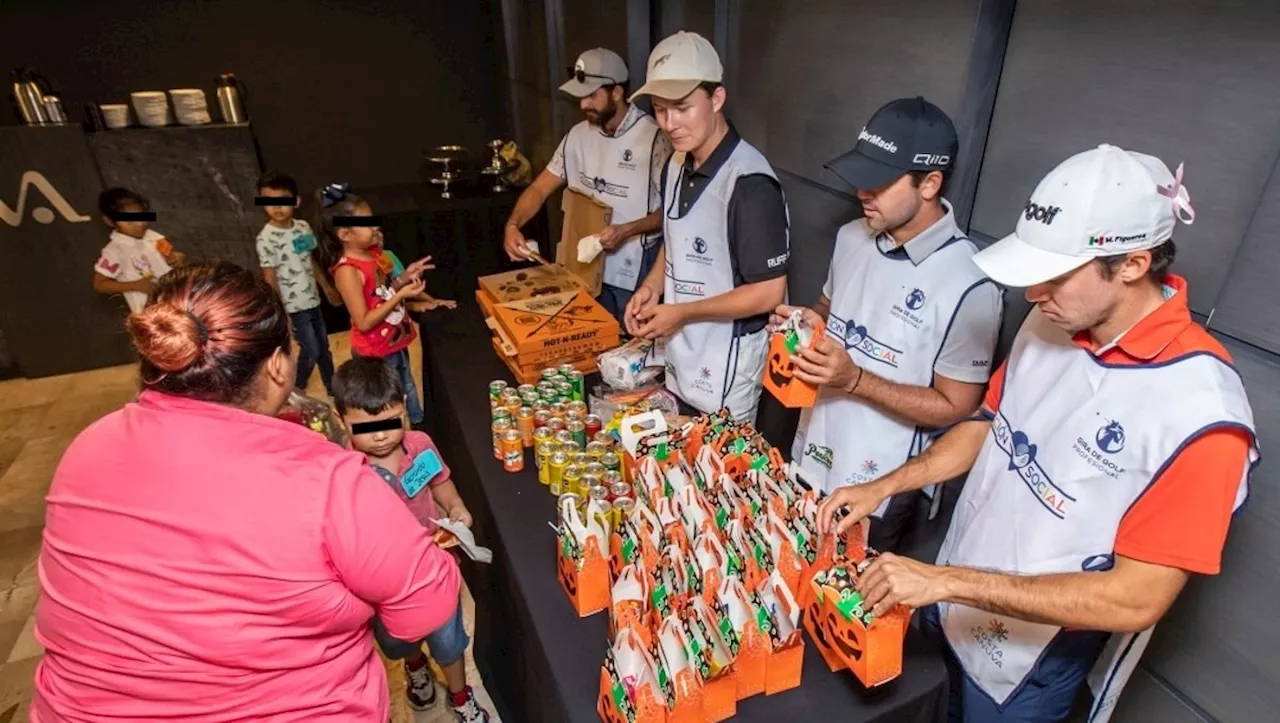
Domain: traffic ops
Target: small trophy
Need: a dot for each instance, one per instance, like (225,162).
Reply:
(447,156)
(497,167)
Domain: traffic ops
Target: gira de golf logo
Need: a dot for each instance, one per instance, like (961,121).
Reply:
(13,216)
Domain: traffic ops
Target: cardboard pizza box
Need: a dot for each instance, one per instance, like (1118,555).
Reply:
(564,325)
(525,284)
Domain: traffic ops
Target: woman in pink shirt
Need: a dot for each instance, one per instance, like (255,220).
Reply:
(205,561)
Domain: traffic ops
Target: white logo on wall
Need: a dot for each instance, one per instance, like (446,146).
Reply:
(13,216)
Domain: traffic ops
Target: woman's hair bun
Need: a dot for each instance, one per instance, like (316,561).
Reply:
(167,337)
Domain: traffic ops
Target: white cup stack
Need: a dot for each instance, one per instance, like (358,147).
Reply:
(190,107)
(115,115)
(152,107)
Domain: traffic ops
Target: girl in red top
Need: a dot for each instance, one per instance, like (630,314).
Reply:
(375,298)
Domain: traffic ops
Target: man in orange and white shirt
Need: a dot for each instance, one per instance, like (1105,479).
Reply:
(1115,442)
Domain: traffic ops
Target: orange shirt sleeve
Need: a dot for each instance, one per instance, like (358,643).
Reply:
(995,389)
(1182,520)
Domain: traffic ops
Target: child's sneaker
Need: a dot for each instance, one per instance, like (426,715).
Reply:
(467,709)
(421,689)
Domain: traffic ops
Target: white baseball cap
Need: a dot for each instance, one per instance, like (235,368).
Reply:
(1103,202)
(679,64)
(593,70)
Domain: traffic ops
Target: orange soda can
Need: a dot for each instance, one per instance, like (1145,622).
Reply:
(524,422)
(512,451)
(499,428)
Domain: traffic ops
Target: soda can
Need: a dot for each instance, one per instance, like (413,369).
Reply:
(524,389)
(524,423)
(611,462)
(580,458)
(595,450)
(542,434)
(556,423)
(572,416)
(594,469)
(599,493)
(549,373)
(558,409)
(541,406)
(512,450)
(542,453)
(611,477)
(530,399)
(605,438)
(499,428)
(496,388)
(565,370)
(509,393)
(619,490)
(577,499)
(594,425)
(513,405)
(577,382)
(540,418)
(622,508)
(589,481)
(604,515)
(578,406)
(496,413)
(572,479)
(579,432)
(555,473)
(565,437)
(564,390)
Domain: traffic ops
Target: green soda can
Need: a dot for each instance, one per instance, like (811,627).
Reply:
(578,385)
(548,374)
(495,389)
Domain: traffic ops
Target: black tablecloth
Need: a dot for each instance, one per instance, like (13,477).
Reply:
(463,235)
(541,662)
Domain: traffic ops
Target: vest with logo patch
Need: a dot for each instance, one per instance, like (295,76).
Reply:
(703,356)
(615,170)
(1075,443)
(892,316)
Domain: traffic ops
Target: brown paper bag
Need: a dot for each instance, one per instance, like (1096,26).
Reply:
(583,216)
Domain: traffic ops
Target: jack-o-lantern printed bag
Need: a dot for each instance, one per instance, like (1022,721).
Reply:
(629,606)
(711,658)
(677,675)
(669,590)
(709,467)
(869,646)
(712,565)
(792,337)
(749,551)
(629,690)
(744,624)
(677,477)
(693,513)
(783,669)
(782,549)
(637,540)
(580,551)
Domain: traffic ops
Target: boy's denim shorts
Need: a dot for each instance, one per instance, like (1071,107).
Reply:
(448,644)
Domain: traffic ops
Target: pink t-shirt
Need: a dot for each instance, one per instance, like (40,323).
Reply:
(423,503)
(203,563)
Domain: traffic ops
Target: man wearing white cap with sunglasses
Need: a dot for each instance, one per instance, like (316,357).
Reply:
(616,156)
(725,239)
(1115,443)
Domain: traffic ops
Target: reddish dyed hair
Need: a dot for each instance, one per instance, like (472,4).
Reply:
(207,330)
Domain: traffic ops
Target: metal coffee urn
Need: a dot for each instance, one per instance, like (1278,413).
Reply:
(231,99)
(28,92)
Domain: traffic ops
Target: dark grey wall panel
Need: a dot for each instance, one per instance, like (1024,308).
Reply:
(813,71)
(599,23)
(1247,307)
(697,16)
(1146,699)
(1185,81)
(530,64)
(1218,645)
(816,214)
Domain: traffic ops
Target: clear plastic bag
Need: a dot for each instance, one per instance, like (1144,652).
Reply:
(315,415)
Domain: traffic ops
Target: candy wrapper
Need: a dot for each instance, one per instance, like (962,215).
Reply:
(629,689)
(315,415)
(581,564)
(632,365)
(677,675)
(793,336)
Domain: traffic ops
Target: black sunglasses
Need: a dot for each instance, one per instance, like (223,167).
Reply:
(582,75)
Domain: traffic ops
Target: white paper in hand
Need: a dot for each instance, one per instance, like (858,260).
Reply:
(468,540)
(589,248)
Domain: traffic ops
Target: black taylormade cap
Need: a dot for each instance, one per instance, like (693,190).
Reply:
(910,134)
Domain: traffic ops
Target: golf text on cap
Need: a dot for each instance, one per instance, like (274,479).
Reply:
(1036,212)
(877,141)
(930,159)
(1104,240)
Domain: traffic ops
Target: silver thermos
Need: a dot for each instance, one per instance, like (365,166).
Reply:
(53,109)
(231,98)
(29,95)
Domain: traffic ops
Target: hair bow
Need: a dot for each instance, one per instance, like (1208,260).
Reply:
(333,193)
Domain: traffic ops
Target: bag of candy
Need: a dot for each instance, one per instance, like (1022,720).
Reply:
(677,675)
(629,690)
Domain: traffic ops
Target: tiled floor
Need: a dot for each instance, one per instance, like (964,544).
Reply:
(38,419)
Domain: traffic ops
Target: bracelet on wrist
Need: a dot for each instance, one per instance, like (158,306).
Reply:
(857,380)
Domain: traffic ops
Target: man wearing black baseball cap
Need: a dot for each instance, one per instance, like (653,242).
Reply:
(911,321)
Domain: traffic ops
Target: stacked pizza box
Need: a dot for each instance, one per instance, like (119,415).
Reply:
(543,317)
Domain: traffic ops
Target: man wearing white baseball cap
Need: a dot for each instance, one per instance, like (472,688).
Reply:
(616,156)
(1116,442)
(725,229)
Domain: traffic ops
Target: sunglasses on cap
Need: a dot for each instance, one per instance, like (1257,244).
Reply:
(581,76)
